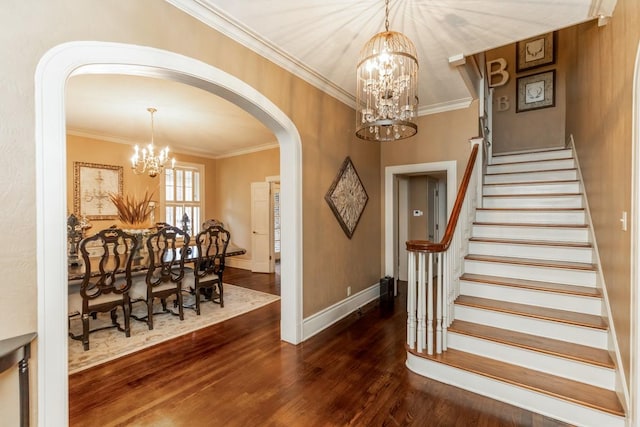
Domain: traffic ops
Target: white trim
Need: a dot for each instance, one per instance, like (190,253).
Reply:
(443,107)
(52,72)
(321,320)
(622,387)
(634,413)
(544,404)
(389,196)
(250,150)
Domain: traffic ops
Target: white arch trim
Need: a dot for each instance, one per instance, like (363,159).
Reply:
(53,70)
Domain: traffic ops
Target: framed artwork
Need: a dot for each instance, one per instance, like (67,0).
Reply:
(536,52)
(92,184)
(536,91)
(347,197)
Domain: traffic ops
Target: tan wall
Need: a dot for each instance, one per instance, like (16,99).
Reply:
(233,179)
(528,130)
(89,150)
(418,198)
(599,115)
(331,261)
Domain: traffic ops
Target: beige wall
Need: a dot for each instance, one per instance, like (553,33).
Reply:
(233,179)
(528,130)
(89,150)
(599,115)
(418,199)
(331,261)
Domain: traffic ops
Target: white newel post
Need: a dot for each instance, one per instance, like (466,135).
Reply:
(439,306)
(422,330)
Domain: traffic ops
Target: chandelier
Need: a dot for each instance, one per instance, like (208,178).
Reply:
(146,160)
(387,87)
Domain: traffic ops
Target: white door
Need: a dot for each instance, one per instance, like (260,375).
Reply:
(261,227)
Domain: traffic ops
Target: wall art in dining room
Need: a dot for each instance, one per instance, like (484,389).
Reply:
(92,184)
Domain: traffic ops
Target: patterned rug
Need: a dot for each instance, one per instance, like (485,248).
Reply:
(110,344)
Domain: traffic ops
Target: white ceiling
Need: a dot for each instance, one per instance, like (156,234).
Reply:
(318,40)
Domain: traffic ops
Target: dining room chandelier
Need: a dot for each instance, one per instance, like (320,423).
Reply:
(387,87)
(146,160)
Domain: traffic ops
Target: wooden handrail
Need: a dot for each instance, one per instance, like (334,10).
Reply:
(443,245)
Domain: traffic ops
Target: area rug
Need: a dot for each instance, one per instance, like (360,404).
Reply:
(110,344)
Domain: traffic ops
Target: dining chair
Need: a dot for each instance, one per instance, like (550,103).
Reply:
(107,258)
(166,252)
(211,244)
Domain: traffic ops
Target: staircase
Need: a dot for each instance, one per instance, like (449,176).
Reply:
(529,325)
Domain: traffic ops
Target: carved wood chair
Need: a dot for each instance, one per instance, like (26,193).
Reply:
(212,243)
(106,282)
(165,274)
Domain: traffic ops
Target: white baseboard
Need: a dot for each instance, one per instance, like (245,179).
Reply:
(242,263)
(323,319)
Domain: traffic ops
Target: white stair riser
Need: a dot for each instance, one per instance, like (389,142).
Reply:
(567,302)
(557,175)
(560,331)
(553,234)
(542,188)
(532,157)
(531,202)
(565,368)
(532,166)
(573,217)
(532,272)
(558,409)
(555,253)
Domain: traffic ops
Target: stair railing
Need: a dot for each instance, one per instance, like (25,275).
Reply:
(422,298)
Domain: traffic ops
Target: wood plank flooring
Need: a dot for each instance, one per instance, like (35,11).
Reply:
(239,373)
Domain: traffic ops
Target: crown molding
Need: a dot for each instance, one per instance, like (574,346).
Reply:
(456,104)
(209,14)
(198,153)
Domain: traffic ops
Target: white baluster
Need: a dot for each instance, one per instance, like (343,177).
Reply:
(430,306)
(440,296)
(411,301)
(421,302)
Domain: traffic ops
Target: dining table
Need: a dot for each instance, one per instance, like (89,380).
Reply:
(140,262)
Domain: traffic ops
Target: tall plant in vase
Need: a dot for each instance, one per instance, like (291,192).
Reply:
(134,215)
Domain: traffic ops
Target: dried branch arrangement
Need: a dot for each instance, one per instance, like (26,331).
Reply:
(132,211)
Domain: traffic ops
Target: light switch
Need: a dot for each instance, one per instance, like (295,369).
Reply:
(623,221)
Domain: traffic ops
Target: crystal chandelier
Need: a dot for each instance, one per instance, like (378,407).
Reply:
(146,160)
(387,87)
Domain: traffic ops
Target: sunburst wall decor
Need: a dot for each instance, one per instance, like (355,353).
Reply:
(347,197)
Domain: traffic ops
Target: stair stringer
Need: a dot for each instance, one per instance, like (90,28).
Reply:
(511,394)
(622,388)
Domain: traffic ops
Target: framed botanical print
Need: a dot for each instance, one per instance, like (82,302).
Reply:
(92,184)
(347,197)
(536,91)
(536,52)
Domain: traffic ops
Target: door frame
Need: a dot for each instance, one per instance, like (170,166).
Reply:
(635,247)
(391,245)
(54,68)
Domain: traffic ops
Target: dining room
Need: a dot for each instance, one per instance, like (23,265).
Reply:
(207,177)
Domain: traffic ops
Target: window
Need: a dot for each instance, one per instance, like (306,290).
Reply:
(184,194)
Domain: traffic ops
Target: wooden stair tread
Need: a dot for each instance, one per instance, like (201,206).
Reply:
(544,313)
(533,183)
(533,171)
(541,195)
(531,242)
(545,209)
(533,161)
(583,394)
(585,291)
(530,224)
(567,350)
(533,262)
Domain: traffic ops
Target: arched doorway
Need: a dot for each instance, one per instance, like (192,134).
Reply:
(73,58)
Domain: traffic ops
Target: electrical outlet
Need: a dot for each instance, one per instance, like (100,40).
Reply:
(348,291)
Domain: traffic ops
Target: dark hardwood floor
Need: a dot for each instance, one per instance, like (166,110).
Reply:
(239,373)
